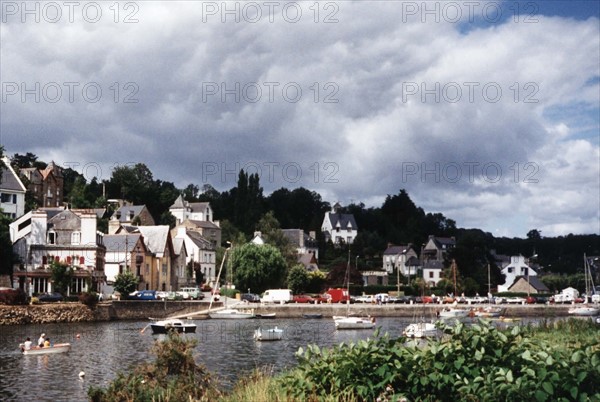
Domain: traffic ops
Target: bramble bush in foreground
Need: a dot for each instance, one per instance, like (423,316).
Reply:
(174,377)
(477,363)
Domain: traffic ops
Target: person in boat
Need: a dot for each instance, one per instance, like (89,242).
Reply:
(41,340)
(27,344)
(47,343)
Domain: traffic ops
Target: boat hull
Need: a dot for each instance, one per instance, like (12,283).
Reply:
(274,334)
(584,311)
(316,315)
(420,330)
(58,348)
(354,322)
(166,326)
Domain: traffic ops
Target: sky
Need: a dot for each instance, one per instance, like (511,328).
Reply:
(485,111)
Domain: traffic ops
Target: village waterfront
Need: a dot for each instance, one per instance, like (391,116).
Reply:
(101,349)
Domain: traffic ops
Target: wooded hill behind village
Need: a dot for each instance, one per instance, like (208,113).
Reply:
(245,209)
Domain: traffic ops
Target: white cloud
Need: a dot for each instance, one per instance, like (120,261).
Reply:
(369,62)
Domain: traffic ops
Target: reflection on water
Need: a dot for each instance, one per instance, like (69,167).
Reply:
(225,347)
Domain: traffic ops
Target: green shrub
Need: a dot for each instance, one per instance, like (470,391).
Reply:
(13,297)
(174,376)
(90,299)
(477,363)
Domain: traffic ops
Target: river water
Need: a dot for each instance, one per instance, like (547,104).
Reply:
(225,347)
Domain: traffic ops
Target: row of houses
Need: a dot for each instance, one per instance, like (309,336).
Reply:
(159,255)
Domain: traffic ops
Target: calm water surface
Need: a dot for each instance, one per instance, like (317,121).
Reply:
(225,347)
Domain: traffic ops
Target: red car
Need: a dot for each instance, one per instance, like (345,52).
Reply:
(302,299)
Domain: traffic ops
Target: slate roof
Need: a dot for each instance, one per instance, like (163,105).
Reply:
(342,219)
(9,179)
(124,211)
(433,264)
(199,240)
(155,237)
(120,242)
(203,224)
(395,250)
(534,281)
(179,203)
(198,206)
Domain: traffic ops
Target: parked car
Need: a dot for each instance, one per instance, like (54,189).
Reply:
(192,293)
(50,297)
(250,297)
(322,298)
(363,299)
(143,295)
(174,296)
(302,299)
(161,295)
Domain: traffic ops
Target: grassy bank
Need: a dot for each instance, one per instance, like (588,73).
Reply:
(558,361)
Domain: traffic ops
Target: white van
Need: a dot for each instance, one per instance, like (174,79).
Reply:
(277,296)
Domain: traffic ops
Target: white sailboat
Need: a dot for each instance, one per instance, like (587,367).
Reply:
(349,321)
(586,310)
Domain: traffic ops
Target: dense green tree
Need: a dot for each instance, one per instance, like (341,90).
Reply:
(61,275)
(258,267)
(271,232)
(125,283)
(248,202)
(26,161)
(298,279)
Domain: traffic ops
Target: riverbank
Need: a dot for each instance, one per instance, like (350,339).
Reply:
(134,309)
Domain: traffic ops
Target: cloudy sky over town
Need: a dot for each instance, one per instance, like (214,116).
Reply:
(487,112)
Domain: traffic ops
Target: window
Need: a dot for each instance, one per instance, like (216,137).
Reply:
(510,270)
(81,260)
(51,238)
(75,237)
(44,260)
(430,274)
(14,198)
(5,197)
(349,239)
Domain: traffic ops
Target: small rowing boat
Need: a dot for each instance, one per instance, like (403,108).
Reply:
(57,348)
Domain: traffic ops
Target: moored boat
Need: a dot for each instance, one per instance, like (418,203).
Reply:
(312,315)
(420,330)
(232,314)
(271,334)
(585,311)
(350,322)
(266,316)
(488,312)
(165,326)
(453,313)
(57,348)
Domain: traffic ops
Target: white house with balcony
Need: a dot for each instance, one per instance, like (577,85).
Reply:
(518,267)
(62,235)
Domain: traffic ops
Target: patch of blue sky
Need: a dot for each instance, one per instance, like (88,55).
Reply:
(583,120)
(484,14)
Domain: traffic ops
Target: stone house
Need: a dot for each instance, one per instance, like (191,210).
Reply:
(303,243)
(130,215)
(199,250)
(158,241)
(127,252)
(46,185)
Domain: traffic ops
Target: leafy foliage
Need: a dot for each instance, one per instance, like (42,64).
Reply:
(61,276)
(90,299)
(478,363)
(257,267)
(174,376)
(126,282)
(298,279)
